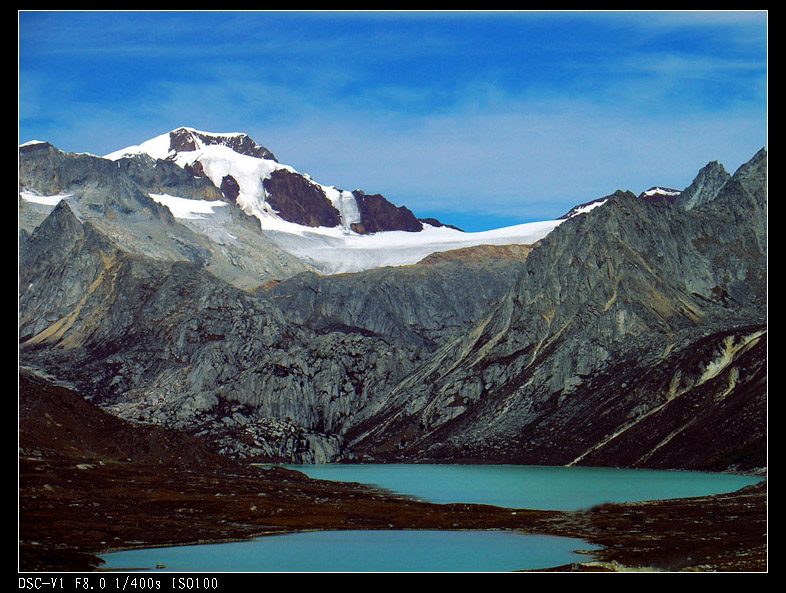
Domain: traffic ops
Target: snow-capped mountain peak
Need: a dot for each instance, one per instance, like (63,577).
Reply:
(189,140)
(334,229)
(251,176)
(660,194)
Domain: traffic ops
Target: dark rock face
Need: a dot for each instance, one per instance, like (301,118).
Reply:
(377,214)
(230,187)
(196,169)
(298,200)
(183,140)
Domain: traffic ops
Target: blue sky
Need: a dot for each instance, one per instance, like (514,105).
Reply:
(480,119)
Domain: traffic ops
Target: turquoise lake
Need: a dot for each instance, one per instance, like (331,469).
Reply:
(527,486)
(533,487)
(363,551)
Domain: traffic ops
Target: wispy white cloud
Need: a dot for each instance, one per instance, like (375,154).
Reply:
(528,164)
(526,113)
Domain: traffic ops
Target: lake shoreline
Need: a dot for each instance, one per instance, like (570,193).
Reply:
(631,536)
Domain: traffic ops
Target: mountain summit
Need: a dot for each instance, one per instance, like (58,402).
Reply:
(173,145)
(251,176)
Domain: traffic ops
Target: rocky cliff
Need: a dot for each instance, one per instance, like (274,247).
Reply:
(706,185)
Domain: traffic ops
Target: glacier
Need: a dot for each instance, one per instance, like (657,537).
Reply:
(330,250)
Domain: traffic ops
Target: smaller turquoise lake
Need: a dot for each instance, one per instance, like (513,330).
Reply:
(511,486)
(363,551)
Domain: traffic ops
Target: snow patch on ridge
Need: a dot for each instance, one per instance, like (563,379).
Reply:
(586,208)
(184,208)
(54,200)
(661,191)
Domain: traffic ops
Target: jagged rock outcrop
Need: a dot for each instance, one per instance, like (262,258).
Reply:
(706,185)
(187,139)
(230,188)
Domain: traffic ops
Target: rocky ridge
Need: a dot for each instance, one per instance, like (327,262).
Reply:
(706,185)
(621,316)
